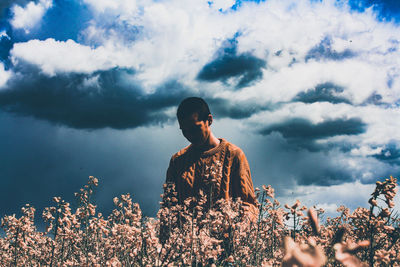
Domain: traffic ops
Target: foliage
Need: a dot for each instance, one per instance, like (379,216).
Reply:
(196,233)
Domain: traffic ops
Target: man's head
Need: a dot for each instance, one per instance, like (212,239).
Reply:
(195,119)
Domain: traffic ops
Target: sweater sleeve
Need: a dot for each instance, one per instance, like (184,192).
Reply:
(170,177)
(170,182)
(166,203)
(243,184)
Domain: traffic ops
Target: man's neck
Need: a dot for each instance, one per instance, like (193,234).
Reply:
(213,141)
(210,143)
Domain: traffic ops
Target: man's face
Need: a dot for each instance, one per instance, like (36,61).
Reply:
(195,131)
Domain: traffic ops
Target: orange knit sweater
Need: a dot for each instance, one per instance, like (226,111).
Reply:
(221,172)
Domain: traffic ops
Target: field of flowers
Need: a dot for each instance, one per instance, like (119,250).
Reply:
(200,233)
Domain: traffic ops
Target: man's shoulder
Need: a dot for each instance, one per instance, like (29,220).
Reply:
(233,149)
(230,148)
(180,153)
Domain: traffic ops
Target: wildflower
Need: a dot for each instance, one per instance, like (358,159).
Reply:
(382,256)
(388,228)
(115,200)
(385,213)
(295,205)
(114,262)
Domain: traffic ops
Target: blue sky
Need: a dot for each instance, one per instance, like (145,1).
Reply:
(310,90)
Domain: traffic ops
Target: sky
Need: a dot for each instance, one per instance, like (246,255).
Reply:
(310,90)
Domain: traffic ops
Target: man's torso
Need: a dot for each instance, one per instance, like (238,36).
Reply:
(221,172)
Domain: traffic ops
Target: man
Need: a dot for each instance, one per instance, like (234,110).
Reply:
(214,166)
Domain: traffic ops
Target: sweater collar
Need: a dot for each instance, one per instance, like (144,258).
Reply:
(212,151)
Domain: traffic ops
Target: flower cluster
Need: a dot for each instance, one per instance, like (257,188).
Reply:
(193,234)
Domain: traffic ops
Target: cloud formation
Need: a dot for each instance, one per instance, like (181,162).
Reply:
(330,67)
(328,92)
(324,50)
(91,101)
(303,129)
(49,56)
(228,64)
(223,108)
(29,16)
(389,153)
(309,89)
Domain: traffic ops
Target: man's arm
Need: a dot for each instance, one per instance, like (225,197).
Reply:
(243,184)
(170,177)
(167,202)
(170,186)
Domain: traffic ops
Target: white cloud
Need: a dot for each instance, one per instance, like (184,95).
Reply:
(29,16)
(61,57)
(92,82)
(366,151)
(120,6)
(222,4)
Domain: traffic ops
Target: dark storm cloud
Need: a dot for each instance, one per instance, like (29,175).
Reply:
(325,176)
(228,64)
(324,51)
(277,161)
(304,129)
(222,108)
(39,160)
(169,94)
(303,133)
(390,154)
(93,101)
(325,92)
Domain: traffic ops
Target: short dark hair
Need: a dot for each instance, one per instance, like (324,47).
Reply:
(190,105)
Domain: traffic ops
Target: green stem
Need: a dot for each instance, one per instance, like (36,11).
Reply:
(294,226)
(55,238)
(258,228)
(16,247)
